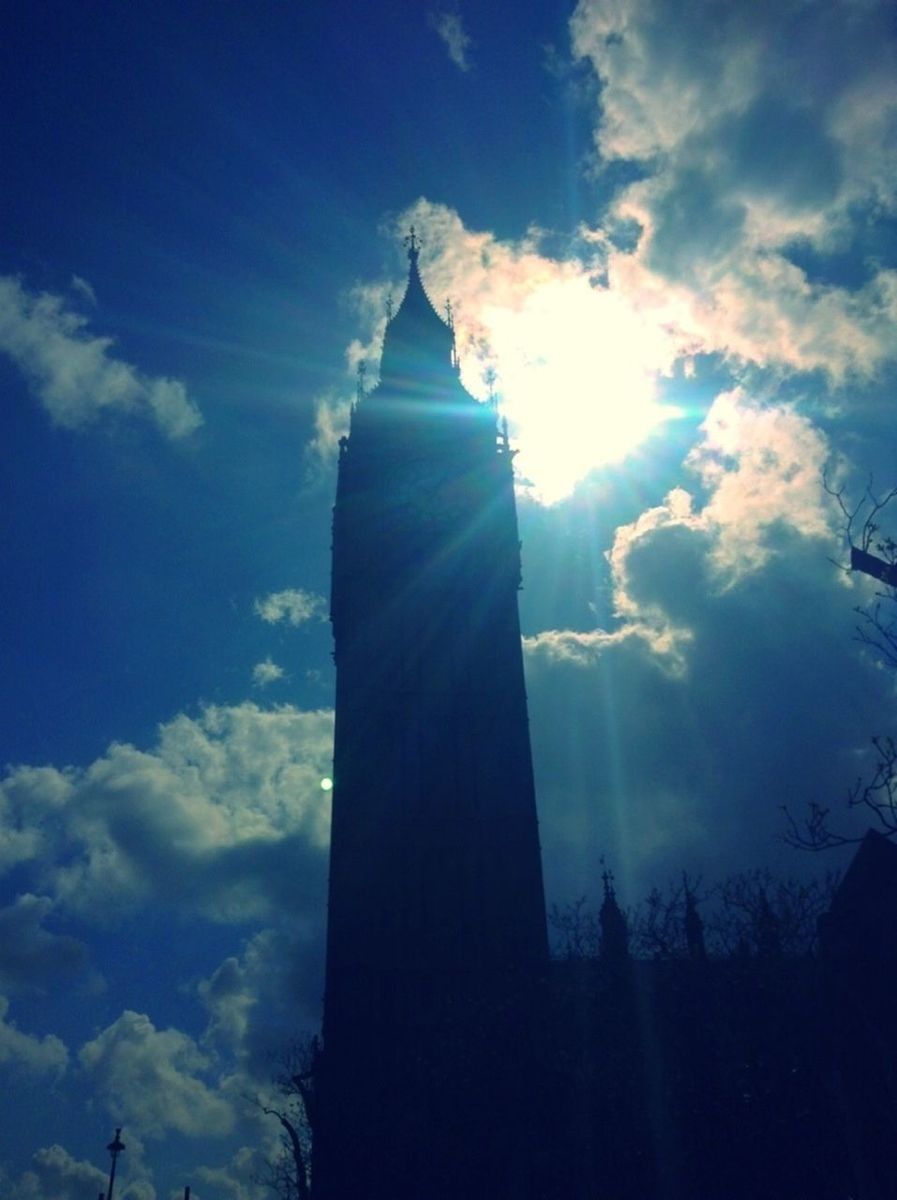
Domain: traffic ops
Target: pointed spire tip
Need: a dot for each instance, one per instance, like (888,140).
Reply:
(412,244)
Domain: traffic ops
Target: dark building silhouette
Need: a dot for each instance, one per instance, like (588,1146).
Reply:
(436,922)
(859,961)
(456,1062)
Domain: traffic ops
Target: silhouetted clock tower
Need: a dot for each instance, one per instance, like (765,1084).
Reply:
(436,924)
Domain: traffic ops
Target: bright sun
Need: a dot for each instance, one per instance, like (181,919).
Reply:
(578,370)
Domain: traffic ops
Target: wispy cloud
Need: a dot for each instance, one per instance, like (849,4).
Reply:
(83,288)
(292,605)
(73,373)
(266,672)
(450,29)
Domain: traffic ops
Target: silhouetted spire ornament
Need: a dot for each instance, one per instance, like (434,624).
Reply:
(412,242)
(614,930)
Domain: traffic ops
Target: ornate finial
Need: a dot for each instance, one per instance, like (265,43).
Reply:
(412,244)
(389,308)
(359,385)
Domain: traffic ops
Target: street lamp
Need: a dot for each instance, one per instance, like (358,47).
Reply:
(115,1148)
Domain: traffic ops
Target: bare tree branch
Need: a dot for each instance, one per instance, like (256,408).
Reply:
(873,552)
(289,1175)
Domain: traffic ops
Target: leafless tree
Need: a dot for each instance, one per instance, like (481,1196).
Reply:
(873,552)
(289,1174)
(766,916)
(578,933)
(658,925)
(753,913)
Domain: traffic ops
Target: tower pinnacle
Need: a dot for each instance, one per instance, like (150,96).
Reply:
(412,243)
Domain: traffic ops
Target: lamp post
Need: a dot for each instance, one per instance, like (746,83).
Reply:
(115,1148)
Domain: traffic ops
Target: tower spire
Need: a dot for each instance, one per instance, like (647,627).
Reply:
(436,939)
(418,344)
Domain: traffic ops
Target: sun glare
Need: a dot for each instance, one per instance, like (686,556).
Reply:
(578,372)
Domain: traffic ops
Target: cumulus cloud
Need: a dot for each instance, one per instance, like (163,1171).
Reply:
(223,816)
(759,130)
(35,1055)
(729,683)
(56,1175)
(664,757)
(760,467)
(237,1179)
(73,373)
(266,672)
(229,999)
(153,1079)
(454,36)
(31,957)
(259,999)
(292,605)
(763,465)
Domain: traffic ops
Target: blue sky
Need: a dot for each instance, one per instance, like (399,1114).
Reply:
(669,229)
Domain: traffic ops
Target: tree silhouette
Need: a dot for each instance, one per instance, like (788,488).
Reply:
(873,552)
(289,1174)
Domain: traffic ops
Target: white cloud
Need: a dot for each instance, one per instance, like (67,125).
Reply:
(331,424)
(36,1055)
(761,466)
(56,1175)
(72,372)
(261,998)
(266,672)
(224,816)
(153,1079)
(230,1000)
(238,1179)
(764,465)
(759,127)
(292,605)
(31,800)
(454,36)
